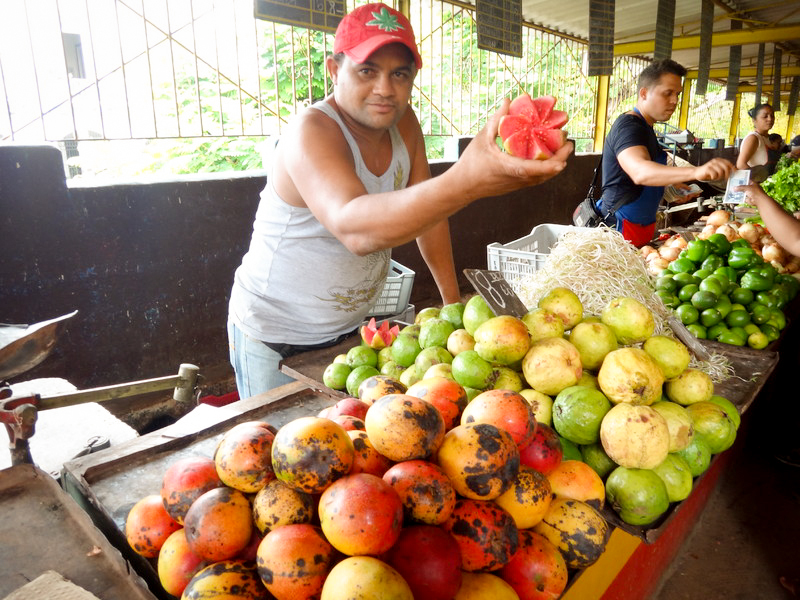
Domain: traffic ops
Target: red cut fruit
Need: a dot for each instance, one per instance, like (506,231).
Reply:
(532,128)
(378,337)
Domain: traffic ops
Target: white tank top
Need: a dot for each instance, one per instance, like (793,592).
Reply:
(760,156)
(298,284)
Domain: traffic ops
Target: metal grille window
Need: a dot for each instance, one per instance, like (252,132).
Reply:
(148,84)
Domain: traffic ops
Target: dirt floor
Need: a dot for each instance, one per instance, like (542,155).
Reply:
(748,536)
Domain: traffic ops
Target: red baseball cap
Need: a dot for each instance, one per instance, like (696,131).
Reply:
(372,26)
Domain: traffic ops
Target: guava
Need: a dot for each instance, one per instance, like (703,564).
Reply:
(505,378)
(633,436)
(362,355)
(578,412)
(460,340)
(335,376)
(412,330)
(476,311)
(713,424)
(356,376)
(691,386)
(471,392)
(629,375)
(677,477)
(340,358)
(697,455)
(441,370)
(564,303)
(410,376)
(639,496)
(679,424)
(630,320)
(593,341)
(551,365)
(670,354)
(729,407)
(588,380)
(503,340)
(569,449)
(470,370)
(433,355)
(543,323)
(594,456)
(541,404)
(532,129)
(434,332)
(392,369)
(426,313)
(384,356)
(454,313)
(405,349)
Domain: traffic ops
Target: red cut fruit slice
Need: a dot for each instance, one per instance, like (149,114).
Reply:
(532,128)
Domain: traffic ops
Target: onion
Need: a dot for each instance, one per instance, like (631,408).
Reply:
(676,241)
(718,217)
(669,253)
(749,232)
(647,250)
(792,267)
(728,232)
(778,266)
(773,253)
(657,265)
(707,232)
(766,239)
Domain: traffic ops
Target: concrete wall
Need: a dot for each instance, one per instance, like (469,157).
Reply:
(149,263)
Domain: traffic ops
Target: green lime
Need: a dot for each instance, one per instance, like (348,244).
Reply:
(726,284)
(757,340)
(362,355)
(703,299)
(710,317)
(701,273)
(751,328)
(697,330)
(729,337)
(687,313)
(682,265)
(772,332)
(686,292)
(712,285)
(723,305)
(778,317)
(742,295)
(715,330)
(335,375)
(737,318)
(740,331)
(737,306)
(684,279)
(358,375)
(666,282)
(720,243)
(760,313)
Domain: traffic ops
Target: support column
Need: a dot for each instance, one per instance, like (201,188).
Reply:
(734,119)
(683,116)
(789,126)
(600,112)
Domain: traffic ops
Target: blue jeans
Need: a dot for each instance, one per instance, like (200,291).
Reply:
(256,365)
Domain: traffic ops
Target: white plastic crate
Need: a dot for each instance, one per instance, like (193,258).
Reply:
(526,255)
(393,297)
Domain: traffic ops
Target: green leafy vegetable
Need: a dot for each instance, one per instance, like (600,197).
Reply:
(784,186)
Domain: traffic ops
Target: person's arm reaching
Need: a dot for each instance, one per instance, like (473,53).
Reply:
(636,162)
(319,165)
(782,225)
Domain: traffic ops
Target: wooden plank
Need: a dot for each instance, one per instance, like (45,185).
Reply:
(45,530)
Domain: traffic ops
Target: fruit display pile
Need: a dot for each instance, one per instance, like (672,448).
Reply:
(434,489)
(729,285)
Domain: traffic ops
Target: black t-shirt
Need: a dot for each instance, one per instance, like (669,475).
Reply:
(627,131)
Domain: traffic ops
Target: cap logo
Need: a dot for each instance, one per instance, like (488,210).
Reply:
(385,21)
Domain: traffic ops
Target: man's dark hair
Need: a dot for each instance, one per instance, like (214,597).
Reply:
(753,112)
(653,72)
(775,137)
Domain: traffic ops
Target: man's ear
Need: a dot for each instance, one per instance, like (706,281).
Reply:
(643,93)
(333,68)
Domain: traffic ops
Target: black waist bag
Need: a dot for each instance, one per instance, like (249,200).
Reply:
(587,214)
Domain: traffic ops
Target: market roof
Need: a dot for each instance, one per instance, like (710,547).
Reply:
(776,23)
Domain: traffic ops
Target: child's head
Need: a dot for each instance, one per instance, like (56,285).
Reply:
(775,141)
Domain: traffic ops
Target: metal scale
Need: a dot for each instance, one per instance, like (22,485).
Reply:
(22,347)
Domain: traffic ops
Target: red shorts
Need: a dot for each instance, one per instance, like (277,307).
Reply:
(638,235)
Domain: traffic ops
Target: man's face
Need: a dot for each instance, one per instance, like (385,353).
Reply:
(375,93)
(661,99)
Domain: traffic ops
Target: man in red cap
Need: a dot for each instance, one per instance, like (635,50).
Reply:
(349,181)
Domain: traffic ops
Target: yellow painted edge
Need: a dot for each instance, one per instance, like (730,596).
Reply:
(592,583)
(734,119)
(683,116)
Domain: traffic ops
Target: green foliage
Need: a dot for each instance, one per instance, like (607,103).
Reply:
(784,186)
